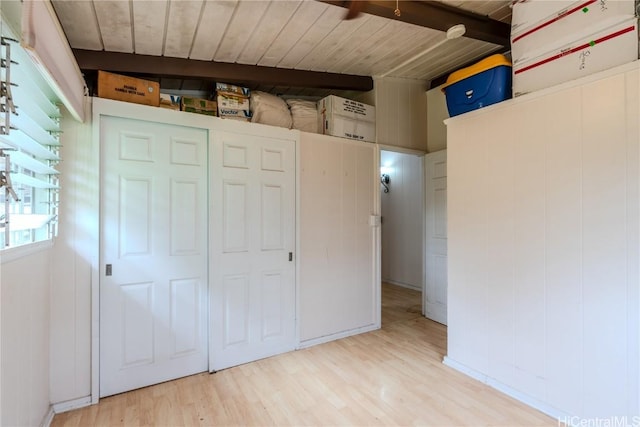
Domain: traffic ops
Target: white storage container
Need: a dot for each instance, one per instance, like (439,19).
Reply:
(564,24)
(346,118)
(525,13)
(588,54)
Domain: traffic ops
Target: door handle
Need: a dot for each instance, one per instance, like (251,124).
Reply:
(108,270)
(290,256)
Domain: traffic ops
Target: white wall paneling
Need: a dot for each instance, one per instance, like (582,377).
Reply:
(24,307)
(437,113)
(338,288)
(543,246)
(73,253)
(401,112)
(402,219)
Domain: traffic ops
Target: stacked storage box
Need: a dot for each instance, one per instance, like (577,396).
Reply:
(198,105)
(171,102)
(484,83)
(556,41)
(128,89)
(346,118)
(233,102)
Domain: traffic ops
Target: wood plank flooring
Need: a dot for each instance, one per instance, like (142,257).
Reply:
(392,377)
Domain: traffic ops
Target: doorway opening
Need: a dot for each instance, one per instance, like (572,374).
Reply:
(402,242)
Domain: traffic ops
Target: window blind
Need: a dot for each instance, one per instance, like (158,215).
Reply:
(29,147)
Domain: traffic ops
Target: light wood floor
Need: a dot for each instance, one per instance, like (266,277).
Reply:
(393,377)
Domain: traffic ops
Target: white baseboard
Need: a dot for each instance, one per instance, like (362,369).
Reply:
(70,405)
(339,335)
(403,285)
(48,418)
(511,392)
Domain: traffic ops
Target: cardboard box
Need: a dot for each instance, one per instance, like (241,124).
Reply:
(344,127)
(128,89)
(231,113)
(231,89)
(171,102)
(564,25)
(588,54)
(231,101)
(346,118)
(199,106)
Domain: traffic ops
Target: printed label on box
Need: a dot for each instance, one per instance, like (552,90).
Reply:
(230,112)
(233,102)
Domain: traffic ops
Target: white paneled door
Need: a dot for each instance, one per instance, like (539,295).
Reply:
(253,237)
(435,292)
(153,283)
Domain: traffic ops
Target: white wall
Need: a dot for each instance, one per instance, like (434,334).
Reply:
(338,290)
(403,220)
(24,307)
(543,246)
(437,113)
(73,251)
(401,112)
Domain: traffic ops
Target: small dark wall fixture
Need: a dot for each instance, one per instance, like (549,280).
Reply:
(384,180)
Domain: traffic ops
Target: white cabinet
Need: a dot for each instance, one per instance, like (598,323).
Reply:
(543,246)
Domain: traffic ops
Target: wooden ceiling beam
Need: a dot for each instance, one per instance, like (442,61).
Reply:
(247,75)
(437,16)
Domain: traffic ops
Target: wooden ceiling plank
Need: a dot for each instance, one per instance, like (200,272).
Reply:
(213,24)
(346,49)
(412,51)
(339,36)
(246,18)
(439,16)
(183,16)
(433,76)
(365,47)
(149,17)
(274,21)
(216,71)
(395,34)
(306,16)
(114,18)
(329,20)
(446,57)
(474,54)
(80,23)
(386,53)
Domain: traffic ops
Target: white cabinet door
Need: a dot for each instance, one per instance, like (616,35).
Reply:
(435,293)
(252,242)
(153,293)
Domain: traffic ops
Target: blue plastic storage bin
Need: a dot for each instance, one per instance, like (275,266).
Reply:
(484,83)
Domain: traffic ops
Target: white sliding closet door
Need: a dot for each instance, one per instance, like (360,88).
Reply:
(252,243)
(153,283)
